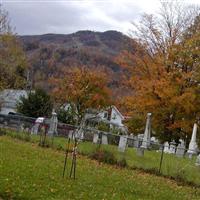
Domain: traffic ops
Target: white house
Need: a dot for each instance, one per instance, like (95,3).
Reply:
(9,99)
(113,115)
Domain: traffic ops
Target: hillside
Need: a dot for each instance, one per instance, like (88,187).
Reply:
(49,53)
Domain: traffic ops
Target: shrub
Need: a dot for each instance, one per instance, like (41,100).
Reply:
(104,156)
(122,163)
(37,104)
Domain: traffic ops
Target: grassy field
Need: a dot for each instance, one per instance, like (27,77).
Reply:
(31,172)
(179,168)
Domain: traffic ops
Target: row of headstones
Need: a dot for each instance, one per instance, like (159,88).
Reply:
(53,123)
(101,137)
(173,149)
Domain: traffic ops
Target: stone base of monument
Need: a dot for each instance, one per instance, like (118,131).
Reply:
(190,155)
(197,163)
(140,151)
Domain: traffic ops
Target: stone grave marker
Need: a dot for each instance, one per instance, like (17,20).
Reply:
(172,147)
(180,151)
(193,144)
(104,139)
(147,133)
(95,138)
(166,147)
(35,129)
(197,163)
(53,124)
(140,151)
(122,143)
(71,134)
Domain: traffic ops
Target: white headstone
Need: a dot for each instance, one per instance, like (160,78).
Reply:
(180,151)
(147,133)
(53,124)
(71,134)
(95,138)
(122,143)
(198,161)
(104,139)
(172,147)
(193,144)
(166,147)
(35,128)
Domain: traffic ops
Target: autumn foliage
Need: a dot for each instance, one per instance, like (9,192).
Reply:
(162,76)
(82,88)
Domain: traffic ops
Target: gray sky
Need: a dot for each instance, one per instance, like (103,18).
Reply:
(66,16)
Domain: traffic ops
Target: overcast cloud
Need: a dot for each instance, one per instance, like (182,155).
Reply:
(31,17)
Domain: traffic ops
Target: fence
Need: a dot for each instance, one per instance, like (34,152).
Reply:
(170,160)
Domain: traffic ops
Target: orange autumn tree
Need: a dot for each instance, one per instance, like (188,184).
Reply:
(161,75)
(82,88)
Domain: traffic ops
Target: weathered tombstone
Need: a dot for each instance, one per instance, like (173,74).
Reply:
(180,151)
(104,139)
(166,147)
(136,142)
(27,130)
(197,163)
(53,124)
(147,133)
(122,143)
(95,138)
(140,151)
(130,140)
(193,144)
(35,129)
(172,147)
(71,134)
(79,134)
(22,127)
(36,126)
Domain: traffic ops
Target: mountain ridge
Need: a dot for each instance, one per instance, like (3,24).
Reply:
(49,53)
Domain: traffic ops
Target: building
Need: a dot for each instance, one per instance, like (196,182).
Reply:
(113,115)
(9,99)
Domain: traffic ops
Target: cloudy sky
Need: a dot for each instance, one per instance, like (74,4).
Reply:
(66,16)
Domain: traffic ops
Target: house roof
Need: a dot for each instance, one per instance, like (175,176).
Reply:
(10,95)
(114,107)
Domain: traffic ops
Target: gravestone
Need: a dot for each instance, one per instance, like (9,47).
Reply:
(172,147)
(130,140)
(197,163)
(136,142)
(122,143)
(53,124)
(36,126)
(71,134)
(140,151)
(35,129)
(104,139)
(147,133)
(166,147)
(21,127)
(193,144)
(180,151)
(95,138)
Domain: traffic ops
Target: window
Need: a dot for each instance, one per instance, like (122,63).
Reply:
(105,115)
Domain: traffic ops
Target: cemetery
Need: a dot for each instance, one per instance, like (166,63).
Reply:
(172,160)
(36,173)
(99,100)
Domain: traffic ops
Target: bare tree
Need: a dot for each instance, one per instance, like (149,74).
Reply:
(160,32)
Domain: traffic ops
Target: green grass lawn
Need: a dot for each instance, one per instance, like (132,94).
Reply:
(178,168)
(31,172)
